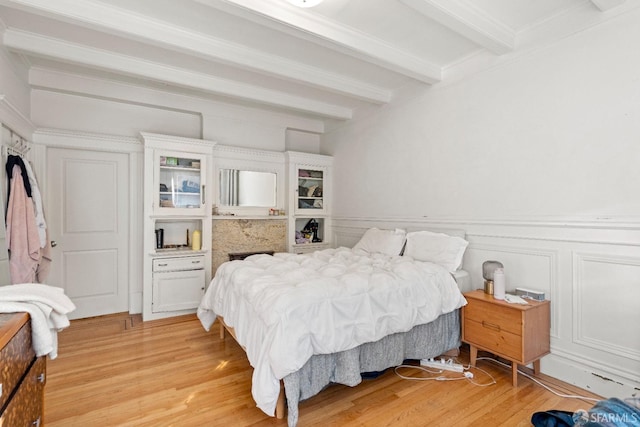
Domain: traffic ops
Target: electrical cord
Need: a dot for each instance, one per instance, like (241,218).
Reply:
(535,380)
(466,375)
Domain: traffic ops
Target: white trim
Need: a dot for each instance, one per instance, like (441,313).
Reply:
(76,139)
(604,380)
(612,223)
(14,119)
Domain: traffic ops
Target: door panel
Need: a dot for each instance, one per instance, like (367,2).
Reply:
(88,217)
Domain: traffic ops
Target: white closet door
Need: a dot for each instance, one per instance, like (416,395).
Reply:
(88,217)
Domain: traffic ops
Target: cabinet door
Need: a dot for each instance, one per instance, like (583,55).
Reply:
(180,183)
(177,290)
(310,194)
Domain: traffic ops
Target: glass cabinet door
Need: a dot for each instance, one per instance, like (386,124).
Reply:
(180,183)
(310,192)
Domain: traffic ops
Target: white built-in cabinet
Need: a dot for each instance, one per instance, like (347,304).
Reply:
(309,182)
(177,214)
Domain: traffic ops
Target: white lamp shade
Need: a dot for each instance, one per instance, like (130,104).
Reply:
(305,3)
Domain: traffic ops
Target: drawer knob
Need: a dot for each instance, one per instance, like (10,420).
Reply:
(41,377)
(36,422)
(491,325)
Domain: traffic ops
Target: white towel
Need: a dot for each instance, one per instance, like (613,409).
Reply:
(48,307)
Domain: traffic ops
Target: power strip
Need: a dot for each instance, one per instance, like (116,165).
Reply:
(445,365)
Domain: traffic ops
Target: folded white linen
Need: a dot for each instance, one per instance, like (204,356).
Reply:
(48,307)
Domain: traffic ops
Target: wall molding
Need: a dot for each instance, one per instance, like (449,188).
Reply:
(580,259)
(574,229)
(609,222)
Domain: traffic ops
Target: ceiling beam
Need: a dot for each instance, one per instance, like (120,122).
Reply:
(118,21)
(61,50)
(468,21)
(107,89)
(605,5)
(332,35)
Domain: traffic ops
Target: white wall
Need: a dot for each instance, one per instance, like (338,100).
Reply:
(537,158)
(73,112)
(553,132)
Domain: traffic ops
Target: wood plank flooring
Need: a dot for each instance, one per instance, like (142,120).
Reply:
(118,371)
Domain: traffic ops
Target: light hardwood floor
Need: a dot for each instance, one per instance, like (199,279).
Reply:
(118,371)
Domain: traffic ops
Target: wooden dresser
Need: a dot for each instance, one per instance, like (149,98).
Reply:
(519,333)
(22,374)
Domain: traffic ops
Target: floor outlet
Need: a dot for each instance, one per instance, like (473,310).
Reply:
(445,365)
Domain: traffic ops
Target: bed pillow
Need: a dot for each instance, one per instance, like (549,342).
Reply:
(389,242)
(438,248)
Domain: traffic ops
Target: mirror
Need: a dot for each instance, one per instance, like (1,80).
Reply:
(247,188)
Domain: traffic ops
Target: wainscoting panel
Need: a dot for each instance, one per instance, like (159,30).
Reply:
(590,270)
(603,318)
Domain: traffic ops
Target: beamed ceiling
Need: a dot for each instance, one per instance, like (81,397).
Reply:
(329,62)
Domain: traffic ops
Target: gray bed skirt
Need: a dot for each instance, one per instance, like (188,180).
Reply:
(421,342)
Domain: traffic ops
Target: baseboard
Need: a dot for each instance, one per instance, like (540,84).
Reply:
(581,375)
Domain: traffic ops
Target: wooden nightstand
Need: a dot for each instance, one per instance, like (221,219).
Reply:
(519,333)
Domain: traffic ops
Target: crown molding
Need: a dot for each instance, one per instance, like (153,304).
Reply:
(48,47)
(158,139)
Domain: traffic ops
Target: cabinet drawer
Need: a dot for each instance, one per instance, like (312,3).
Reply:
(502,318)
(487,336)
(16,357)
(26,407)
(181,263)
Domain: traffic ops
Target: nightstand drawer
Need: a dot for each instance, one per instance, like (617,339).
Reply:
(501,318)
(489,335)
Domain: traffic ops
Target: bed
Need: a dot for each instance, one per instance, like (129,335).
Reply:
(308,320)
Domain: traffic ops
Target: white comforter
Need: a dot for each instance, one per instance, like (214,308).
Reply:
(286,308)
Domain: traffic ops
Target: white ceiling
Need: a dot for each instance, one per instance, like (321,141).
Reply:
(328,62)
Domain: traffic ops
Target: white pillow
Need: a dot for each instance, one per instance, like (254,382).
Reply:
(389,242)
(438,248)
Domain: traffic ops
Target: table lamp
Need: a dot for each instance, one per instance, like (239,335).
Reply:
(488,268)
